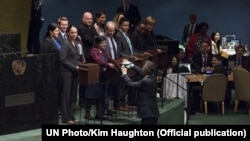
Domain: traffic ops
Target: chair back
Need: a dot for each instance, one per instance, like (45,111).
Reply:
(241,83)
(214,88)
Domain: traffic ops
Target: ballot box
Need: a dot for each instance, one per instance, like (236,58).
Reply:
(89,73)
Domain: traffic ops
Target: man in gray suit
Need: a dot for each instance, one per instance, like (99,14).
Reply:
(122,38)
(115,86)
(147,107)
(190,28)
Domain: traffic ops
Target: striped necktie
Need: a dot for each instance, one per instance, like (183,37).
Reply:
(129,44)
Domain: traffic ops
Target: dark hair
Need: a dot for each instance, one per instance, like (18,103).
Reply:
(219,41)
(70,26)
(99,39)
(218,57)
(98,14)
(240,47)
(51,27)
(201,25)
(149,67)
(122,20)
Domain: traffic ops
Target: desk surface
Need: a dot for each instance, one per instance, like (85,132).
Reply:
(202,77)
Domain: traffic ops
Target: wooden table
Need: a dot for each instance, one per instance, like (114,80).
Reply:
(201,77)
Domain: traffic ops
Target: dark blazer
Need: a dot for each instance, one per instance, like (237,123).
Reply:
(69,57)
(137,41)
(148,41)
(122,44)
(133,15)
(198,62)
(87,36)
(60,38)
(147,89)
(109,45)
(244,61)
(185,34)
(48,46)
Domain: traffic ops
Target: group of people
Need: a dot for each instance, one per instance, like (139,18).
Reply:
(103,41)
(205,54)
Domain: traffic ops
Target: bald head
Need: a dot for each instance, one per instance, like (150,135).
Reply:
(110,28)
(87,18)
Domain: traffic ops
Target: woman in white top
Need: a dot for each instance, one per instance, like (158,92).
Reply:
(100,19)
(216,42)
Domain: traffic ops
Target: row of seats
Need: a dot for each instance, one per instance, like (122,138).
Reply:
(214,89)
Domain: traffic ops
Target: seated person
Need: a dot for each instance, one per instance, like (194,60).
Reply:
(202,61)
(182,56)
(217,68)
(238,60)
(172,66)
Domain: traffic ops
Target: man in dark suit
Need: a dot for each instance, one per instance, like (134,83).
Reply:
(87,33)
(131,12)
(238,60)
(147,88)
(190,29)
(202,62)
(124,43)
(63,24)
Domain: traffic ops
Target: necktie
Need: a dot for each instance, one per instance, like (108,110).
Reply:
(204,60)
(238,61)
(64,36)
(126,9)
(129,44)
(191,30)
(114,54)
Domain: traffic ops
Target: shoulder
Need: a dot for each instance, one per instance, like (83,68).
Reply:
(133,6)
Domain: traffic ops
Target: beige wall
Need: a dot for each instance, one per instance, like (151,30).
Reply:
(15,17)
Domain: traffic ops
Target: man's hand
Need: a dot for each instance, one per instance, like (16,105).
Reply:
(124,70)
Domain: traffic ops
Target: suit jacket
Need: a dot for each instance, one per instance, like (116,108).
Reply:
(109,45)
(198,62)
(48,46)
(137,41)
(244,61)
(148,41)
(147,88)
(122,44)
(185,34)
(69,57)
(60,38)
(133,15)
(87,36)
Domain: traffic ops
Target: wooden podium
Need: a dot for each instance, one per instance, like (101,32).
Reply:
(142,58)
(89,73)
(160,59)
